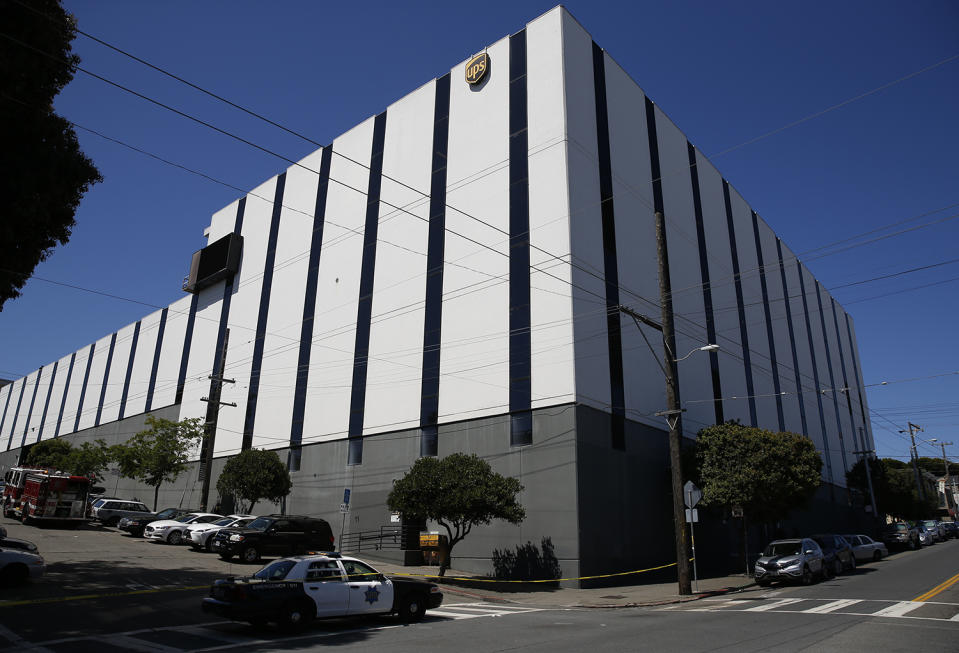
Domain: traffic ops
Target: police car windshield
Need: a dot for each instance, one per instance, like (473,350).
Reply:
(276,570)
(260,524)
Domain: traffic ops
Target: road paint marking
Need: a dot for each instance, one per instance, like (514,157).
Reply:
(832,606)
(452,615)
(898,609)
(781,603)
(20,642)
(209,633)
(134,644)
(941,587)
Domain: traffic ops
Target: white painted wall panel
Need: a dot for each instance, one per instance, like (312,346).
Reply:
(118,372)
(551,336)
(223,221)
(37,397)
(474,354)
(142,364)
(202,349)
(845,441)
(9,427)
(56,397)
(334,328)
(164,393)
(244,310)
(91,400)
(695,376)
(586,231)
(394,369)
(807,388)
(5,412)
(274,411)
(871,444)
(732,373)
(21,424)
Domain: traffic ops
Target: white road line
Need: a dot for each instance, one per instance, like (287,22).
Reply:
(832,606)
(134,644)
(781,603)
(209,633)
(898,609)
(955,618)
(486,610)
(452,615)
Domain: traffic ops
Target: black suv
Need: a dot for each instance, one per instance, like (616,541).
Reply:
(274,535)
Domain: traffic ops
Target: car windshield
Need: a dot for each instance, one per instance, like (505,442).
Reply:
(898,527)
(99,502)
(186,519)
(260,524)
(783,549)
(275,570)
(226,521)
(929,523)
(169,513)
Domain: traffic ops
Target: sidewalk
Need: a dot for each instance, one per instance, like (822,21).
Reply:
(459,586)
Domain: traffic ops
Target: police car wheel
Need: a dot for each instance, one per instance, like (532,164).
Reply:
(296,615)
(249,554)
(412,608)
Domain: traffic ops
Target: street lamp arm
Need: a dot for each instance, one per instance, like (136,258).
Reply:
(709,347)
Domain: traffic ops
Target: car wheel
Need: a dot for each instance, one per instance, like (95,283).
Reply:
(912,545)
(876,556)
(249,554)
(226,556)
(852,563)
(14,574)
(806,576)
(413,608)
(174,538)
(836,566)
(296,615)
(208,546)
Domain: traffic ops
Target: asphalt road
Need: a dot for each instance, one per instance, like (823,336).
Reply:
(107,592)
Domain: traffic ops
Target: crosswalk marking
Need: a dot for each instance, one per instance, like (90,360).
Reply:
(452,615)
(781,603)
(899,609)
(832,606)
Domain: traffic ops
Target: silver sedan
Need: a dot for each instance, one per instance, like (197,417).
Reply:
(865,548)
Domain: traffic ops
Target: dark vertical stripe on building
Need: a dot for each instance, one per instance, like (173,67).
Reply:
(520,345)
(364,309)
(435,252)
(707,288)
(46,402)
(845,377)
(106,379)
(187,342)
(610,261)
(792,338)
(777,388)
(16,413)
(33,400)
(151,386)
(857,372)
(740,307)
(832,378)
(83,388)
(129,372)
(309,309)
(815,374)
(66,390)
(6,405)
(266,290)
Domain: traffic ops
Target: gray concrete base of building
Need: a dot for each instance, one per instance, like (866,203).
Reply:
(592,510)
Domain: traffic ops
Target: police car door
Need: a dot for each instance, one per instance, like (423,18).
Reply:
(370,591)
(326,585)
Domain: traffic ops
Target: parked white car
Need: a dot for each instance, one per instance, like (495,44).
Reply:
(865,548)
(199,536)
(16,566)
(171,531)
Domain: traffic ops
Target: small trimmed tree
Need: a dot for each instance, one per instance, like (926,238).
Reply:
(53,454)
(159,453)
(252,475)
(457,492)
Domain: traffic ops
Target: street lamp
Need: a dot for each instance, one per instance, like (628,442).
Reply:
(706,348)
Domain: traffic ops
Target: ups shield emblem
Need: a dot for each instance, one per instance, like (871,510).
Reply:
(477,68)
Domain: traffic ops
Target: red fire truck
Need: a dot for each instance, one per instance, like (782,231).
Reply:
(40,495)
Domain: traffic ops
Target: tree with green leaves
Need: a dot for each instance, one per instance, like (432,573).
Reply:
(457,492)
(252,475)
(159,453)
(767,473)
(45,174)
(91,459)
(50,454)
(894,483)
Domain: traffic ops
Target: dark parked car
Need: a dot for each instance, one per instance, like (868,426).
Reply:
(109,512)
(900,535)
(836,552)
(278,535)
(136,525)
(952,529)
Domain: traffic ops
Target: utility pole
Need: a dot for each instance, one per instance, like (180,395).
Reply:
(945,461)
(915,458)
(213,404)
(866,455)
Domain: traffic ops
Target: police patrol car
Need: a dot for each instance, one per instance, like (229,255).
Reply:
(293,591)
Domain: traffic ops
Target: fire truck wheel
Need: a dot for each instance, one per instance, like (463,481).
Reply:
(13,574)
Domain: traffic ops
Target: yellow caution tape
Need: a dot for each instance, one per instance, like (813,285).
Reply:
(548,580)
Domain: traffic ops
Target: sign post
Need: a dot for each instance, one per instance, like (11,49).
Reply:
(344,508)
(691,496)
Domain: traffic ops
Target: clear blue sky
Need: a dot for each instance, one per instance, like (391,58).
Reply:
(725,72)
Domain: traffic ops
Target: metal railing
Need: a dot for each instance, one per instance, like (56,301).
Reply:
(385,537)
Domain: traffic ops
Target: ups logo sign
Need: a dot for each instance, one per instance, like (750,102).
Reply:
(476,69)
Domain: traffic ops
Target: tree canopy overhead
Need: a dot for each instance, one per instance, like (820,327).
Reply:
(766,473)
(457,492)
(252,475)
(894,483)
(45,174)
(90,458)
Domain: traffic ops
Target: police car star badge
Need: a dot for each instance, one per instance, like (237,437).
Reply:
(372,595)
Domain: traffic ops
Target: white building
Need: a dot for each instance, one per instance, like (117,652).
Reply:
(445,277)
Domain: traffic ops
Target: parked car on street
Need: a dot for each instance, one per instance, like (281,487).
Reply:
(900,535)
(14,543)
(171,531)
(865,548)
(109,512)
(927,536)
(280,535)
(795,560)
(294,591)
(837,553)
(199,536)
(16,566)
(136,525)
(952,528)
(938,529)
